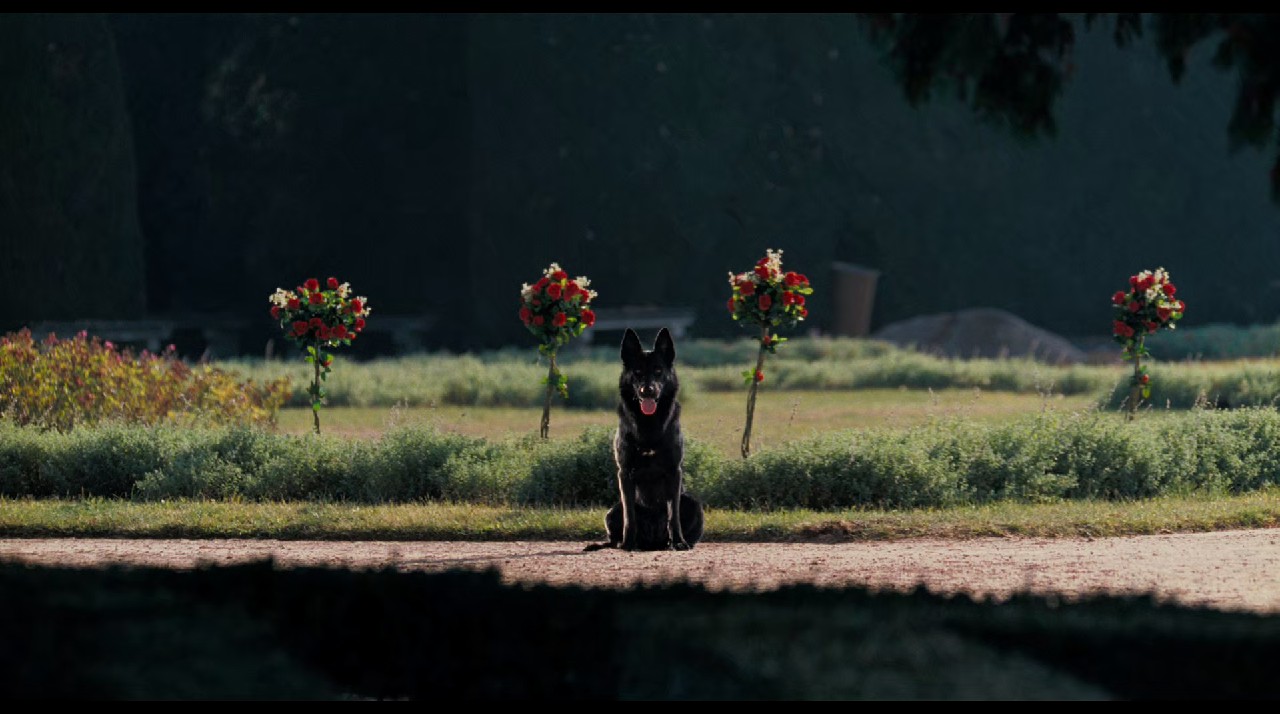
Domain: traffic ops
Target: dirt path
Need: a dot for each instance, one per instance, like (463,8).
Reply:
(1237,570)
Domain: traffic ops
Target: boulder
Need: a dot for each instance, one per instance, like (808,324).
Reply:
(980,332)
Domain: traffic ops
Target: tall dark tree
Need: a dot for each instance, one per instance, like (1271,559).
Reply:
(68,208)
(1011,67)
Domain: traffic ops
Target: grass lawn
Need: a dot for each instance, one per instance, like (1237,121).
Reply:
(23,518)
(714,417)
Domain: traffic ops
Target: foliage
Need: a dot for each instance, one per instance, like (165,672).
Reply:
(766,298)
(317,319)
(1046,457)
(61,384)
(1012,67)
(555,309)
(1148,306)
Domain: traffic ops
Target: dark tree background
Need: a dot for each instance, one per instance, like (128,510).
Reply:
(437,161)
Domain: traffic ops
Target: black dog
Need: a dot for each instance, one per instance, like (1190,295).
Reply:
(654,512)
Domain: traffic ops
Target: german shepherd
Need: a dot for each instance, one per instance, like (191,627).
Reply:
(653,512)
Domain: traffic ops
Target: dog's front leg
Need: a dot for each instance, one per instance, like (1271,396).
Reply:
(628,493)
(675,531)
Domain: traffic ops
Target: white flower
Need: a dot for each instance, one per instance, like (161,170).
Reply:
(526,290)
(775,260)
(344,289)
(554,268)
(582,281)
(281,297)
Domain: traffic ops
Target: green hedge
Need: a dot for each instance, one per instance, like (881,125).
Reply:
(513,377)
(947,462)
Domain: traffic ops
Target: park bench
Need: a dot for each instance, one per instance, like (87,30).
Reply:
(641,319)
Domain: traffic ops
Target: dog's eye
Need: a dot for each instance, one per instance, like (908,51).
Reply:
(637,372)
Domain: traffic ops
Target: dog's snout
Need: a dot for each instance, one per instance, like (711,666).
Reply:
(649,390)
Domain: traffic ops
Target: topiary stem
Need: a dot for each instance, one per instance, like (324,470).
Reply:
(1135,391)
(315,392)
(751,396)
(553,378)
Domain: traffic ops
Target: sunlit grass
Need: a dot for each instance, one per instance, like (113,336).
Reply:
(441,521)
(715,418)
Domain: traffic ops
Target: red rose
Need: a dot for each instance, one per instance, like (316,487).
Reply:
(759,376)
(803,279)
(1145,378)
(767,339)
(559,275)
(1135,306)
(792,279)
(275,311)
(1118,298)
(316,298)
(333,283)
(553,291)
(299,328)
(559,319)
(1118,328)
(1146,283)
(571,289)
(747,288)
(1169,289)
(763,271)
(312,284)
(357,305)
(294,303)
(340,332)
(542,283)
(1182,306)
(317,323)
(1164,313)
(536,302)
(359,324)
(588,318)
(537,320)
(1152,327)
(765,301)
(799,299)
(788,298)
(324,333)
(733,305)
(804,312)
(1133,281)
(525,315)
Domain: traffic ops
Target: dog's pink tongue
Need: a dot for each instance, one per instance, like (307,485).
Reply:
(649,406)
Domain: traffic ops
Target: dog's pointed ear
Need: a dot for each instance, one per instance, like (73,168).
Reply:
(631,349)
(665,347)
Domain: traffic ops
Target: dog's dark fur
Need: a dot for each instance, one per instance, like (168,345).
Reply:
(654,512)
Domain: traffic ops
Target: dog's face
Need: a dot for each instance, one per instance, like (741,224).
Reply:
(648,376)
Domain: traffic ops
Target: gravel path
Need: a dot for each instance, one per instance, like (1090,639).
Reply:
(1236,570)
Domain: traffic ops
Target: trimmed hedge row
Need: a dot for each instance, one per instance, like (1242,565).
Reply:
(507,378)
(947,462)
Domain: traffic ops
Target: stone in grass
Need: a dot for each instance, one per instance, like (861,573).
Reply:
(980,332)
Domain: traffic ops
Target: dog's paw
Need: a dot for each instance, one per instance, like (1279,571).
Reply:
(681,545)
(627,545)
